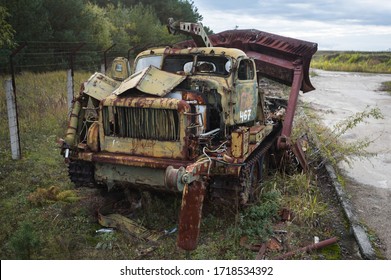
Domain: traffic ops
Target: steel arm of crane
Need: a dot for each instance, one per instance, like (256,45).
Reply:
(195,30)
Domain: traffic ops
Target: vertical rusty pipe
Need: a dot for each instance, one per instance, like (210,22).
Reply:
(190,216)
(290,111)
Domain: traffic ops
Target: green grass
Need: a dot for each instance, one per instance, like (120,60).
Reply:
(369,62)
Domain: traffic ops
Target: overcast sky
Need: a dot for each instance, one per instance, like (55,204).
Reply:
(363,25)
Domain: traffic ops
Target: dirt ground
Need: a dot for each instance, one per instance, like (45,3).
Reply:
(337,96)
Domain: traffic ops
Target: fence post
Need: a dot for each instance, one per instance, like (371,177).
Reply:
(69,90)
(103,69)
(12,120)
(105,56)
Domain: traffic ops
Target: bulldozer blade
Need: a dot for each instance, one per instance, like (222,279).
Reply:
(190,216)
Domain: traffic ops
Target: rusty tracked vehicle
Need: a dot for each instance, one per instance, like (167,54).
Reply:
(190,119)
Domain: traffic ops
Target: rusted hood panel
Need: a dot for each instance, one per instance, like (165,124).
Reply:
(100,86)
(151,80)
(275,55)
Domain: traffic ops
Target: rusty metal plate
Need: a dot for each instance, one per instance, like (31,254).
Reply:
(100,86)
(151,80)
(190,216)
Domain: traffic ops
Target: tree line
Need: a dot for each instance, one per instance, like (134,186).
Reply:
(53,29)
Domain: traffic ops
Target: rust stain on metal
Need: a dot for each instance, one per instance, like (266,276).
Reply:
(190,216)
(192,96)
(136,160)
(148,102)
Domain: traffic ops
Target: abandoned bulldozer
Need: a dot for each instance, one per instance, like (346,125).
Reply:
(191,119)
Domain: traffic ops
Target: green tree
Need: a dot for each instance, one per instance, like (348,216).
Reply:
(29,18)
(6,30)
(183,10)
(178,9)
(66,20)
(98,26)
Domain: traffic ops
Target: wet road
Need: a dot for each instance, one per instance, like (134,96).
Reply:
(339,95)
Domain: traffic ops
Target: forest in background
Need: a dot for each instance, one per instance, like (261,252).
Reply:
(53,29)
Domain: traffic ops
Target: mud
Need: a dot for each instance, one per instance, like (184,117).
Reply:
(339,95)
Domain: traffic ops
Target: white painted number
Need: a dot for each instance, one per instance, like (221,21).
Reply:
(245,115)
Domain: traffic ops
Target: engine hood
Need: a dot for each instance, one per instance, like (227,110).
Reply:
(151,80)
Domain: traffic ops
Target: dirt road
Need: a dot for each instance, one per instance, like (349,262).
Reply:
(337,96)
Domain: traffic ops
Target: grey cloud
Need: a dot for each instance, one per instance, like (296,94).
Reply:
(373,12)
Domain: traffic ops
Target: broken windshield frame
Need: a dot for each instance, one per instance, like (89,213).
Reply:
(205,64)
(146,61)
(217,65)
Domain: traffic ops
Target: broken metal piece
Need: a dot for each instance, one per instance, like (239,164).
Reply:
(308,248)
(151,80)
(286,215)
(105,230)
(261,252)
(190,216)
(299,153)
(129,226)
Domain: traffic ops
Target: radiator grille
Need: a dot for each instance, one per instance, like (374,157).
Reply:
(141,123)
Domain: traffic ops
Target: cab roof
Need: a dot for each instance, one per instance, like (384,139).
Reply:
(216,51)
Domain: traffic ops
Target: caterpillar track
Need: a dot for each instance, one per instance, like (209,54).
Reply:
(81,173)
(243,189)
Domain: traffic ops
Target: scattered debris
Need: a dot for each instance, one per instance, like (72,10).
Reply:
(286,215)
(144,251)
(168,232)
(308,248)
(105,230)
(261,252)
(129,226)
(274,244)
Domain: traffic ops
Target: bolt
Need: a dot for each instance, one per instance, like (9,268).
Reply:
(186,178)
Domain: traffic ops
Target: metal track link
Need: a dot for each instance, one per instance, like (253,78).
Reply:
(81,173)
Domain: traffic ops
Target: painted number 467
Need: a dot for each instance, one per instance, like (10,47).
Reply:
(245,115)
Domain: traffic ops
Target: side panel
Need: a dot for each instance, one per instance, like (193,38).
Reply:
(247,101)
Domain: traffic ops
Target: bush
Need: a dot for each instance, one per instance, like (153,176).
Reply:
(257,220)
(24,242)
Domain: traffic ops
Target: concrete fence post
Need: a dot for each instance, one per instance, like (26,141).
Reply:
(69,90)
(103,69)
(12,120)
